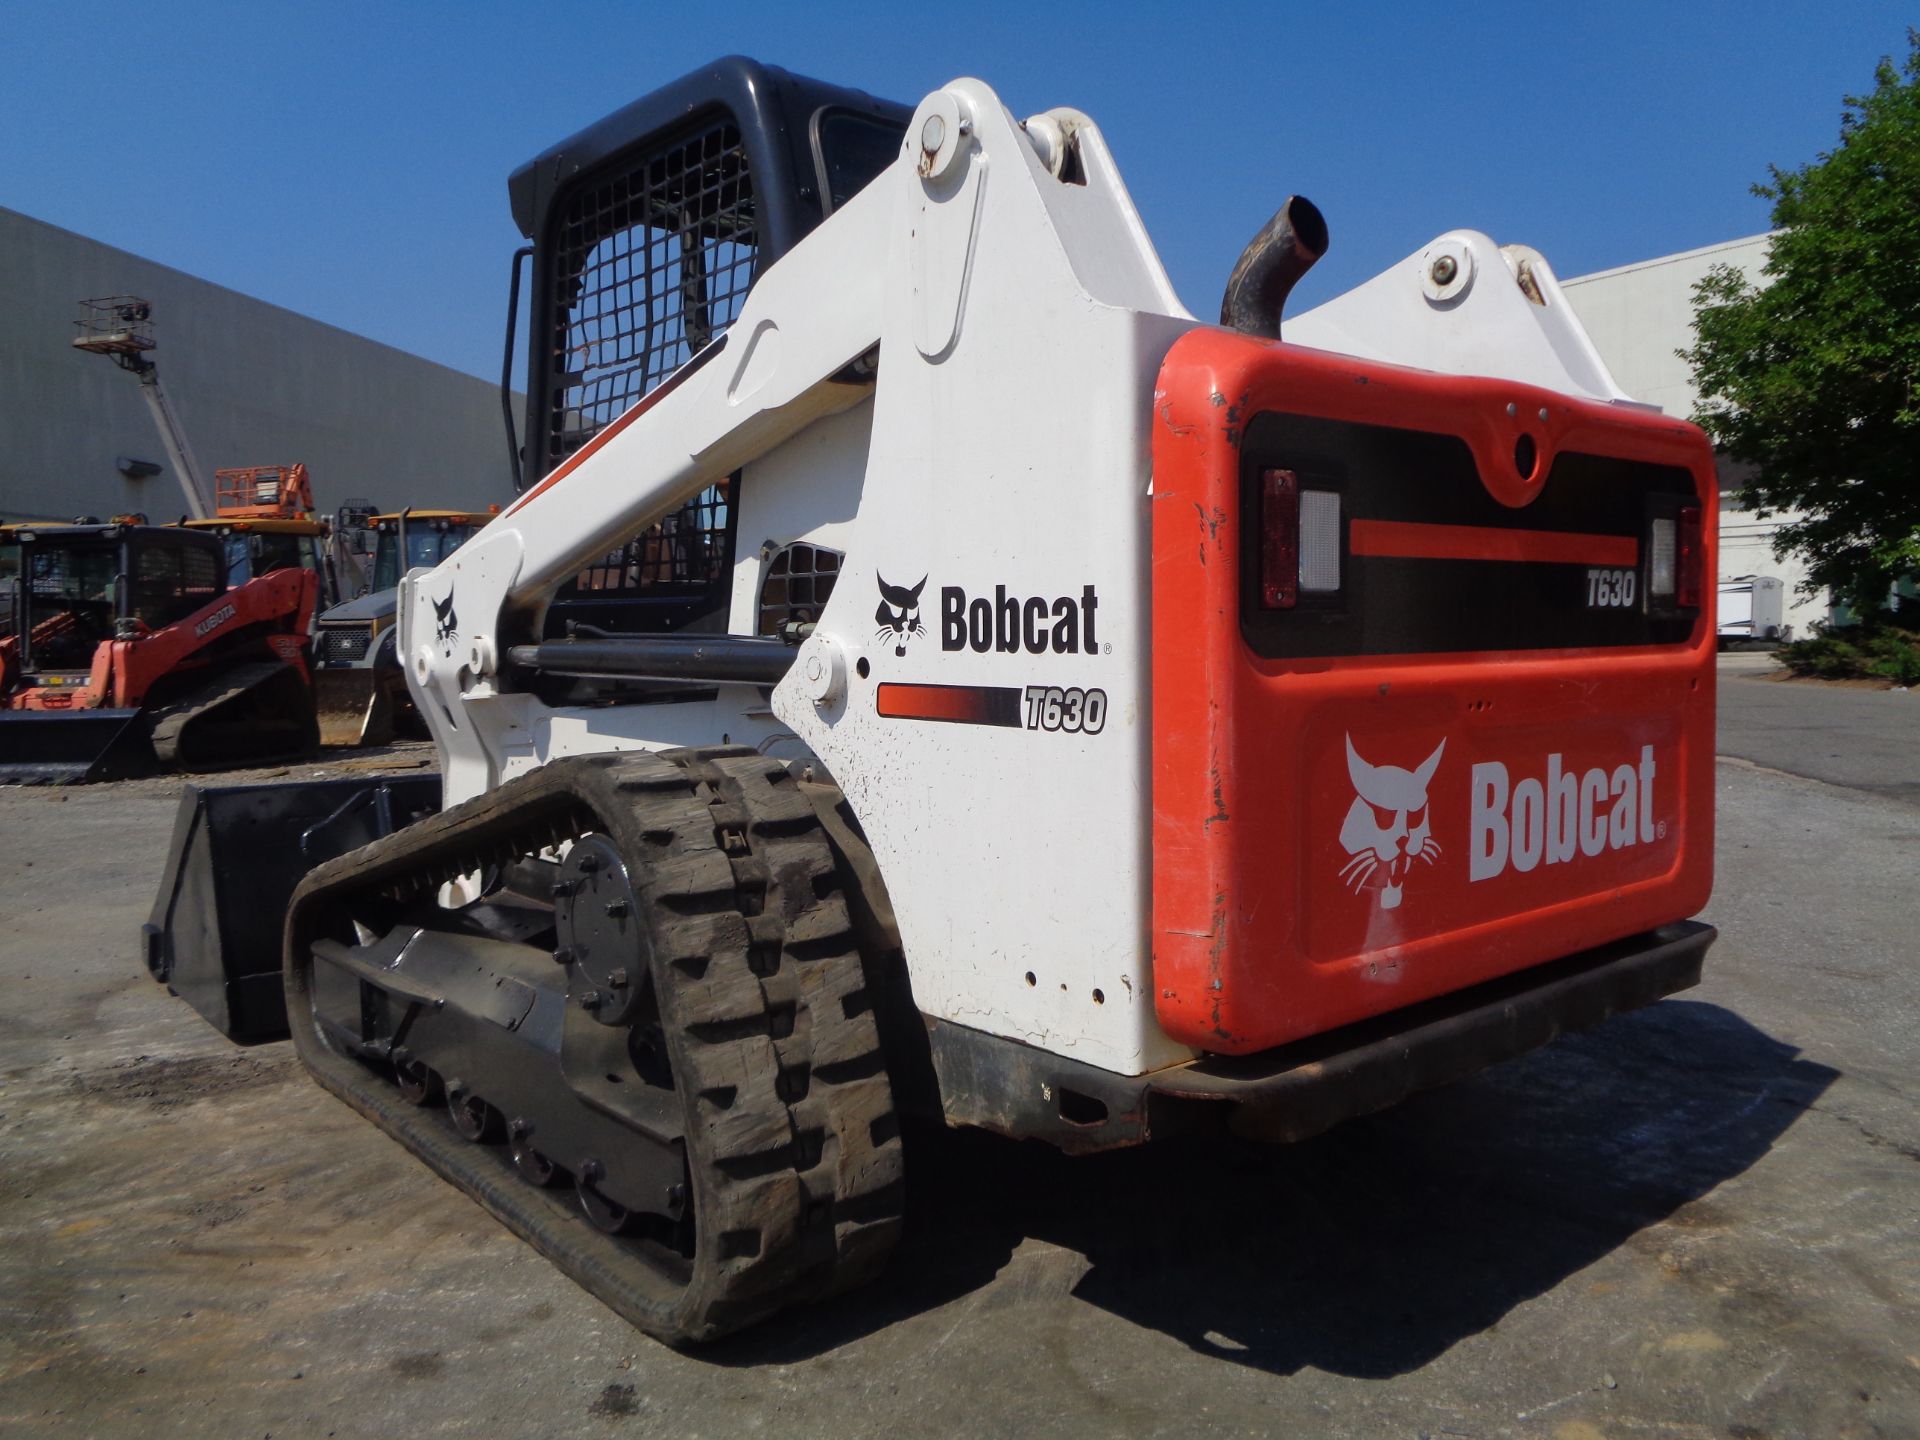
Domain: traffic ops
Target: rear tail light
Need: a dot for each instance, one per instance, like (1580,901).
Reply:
(1689,557)
(1300,540)
(1660,558)
(1319,541)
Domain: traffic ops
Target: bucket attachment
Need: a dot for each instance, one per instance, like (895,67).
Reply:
(355,705)
(237,853)
(73,747)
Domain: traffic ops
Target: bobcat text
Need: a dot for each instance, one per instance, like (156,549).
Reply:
(1560,818)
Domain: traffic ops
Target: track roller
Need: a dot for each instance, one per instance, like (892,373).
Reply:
(534,1168)
(473,1117)
(418,1083)
(609,1217)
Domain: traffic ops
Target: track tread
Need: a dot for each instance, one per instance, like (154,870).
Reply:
(796,1152)
(169,724)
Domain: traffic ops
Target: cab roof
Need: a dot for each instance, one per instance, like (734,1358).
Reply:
(465,517)
(270,525)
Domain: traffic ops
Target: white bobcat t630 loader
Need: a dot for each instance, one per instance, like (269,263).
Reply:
(927,671)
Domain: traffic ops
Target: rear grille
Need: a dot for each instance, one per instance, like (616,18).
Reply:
(345,644)
(1431,563)
(796,585)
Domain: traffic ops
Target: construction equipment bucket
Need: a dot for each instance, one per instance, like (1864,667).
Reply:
(237,853)
(72,747)
(355,706)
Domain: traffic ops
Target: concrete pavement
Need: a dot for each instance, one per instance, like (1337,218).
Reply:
(1697,1221)
(1864,739)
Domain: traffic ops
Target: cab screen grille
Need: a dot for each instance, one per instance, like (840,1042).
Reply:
(652,263)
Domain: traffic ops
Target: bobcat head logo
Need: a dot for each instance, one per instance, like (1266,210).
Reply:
(1388,826)
(899,613)
(449,623)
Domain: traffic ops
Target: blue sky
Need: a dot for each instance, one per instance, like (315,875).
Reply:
(349,161)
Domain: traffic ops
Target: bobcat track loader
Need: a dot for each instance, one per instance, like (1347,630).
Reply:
(1006,698)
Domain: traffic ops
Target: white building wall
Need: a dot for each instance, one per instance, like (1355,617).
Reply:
(253,384)
(1640,316)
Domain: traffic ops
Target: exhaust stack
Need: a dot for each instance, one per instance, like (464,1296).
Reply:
(1268,268)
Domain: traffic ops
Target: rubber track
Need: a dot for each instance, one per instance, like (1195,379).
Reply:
(169,722)
(790,1126)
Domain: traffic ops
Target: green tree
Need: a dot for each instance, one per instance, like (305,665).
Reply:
(1814,377)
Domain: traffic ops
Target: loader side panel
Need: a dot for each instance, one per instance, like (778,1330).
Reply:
(1430,703)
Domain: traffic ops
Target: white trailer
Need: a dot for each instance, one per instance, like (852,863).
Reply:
(1753,607)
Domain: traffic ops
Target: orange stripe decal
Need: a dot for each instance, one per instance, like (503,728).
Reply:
(961,704)
(639,407)
(1414,540)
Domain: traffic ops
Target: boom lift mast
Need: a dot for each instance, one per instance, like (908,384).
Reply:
(121,327)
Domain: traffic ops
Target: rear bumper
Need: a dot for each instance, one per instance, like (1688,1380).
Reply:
(1301,1089)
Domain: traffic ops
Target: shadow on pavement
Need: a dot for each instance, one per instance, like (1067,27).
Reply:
(1373,1249)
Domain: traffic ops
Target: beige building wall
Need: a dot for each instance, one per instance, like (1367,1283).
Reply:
(252,384)
(1640,316)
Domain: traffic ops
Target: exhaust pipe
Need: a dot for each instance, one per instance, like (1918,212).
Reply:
(1278,256)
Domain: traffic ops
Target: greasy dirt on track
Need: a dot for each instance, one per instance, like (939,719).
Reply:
(1697,1221)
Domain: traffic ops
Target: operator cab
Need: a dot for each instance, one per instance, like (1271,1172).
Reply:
(72,587)
(264,516)
(409,541)
(259,550)
(648,229)
(362,626)
(9,571)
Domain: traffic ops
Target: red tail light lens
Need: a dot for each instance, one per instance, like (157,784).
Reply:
(1279,539)
(1689,558)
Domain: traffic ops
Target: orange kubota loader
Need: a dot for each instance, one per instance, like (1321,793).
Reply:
(126,650)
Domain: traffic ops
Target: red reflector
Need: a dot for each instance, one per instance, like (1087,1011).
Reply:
(1689,558)
(1279,539)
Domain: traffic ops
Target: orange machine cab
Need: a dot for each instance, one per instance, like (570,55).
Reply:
(1433,684)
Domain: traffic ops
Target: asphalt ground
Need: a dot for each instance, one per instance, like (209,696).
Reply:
(1700,1220)
(1864,738)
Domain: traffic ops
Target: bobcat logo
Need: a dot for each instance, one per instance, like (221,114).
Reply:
(449,623)
(1388,826)
(899,613)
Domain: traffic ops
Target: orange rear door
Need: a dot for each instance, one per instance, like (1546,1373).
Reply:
(1432,684)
